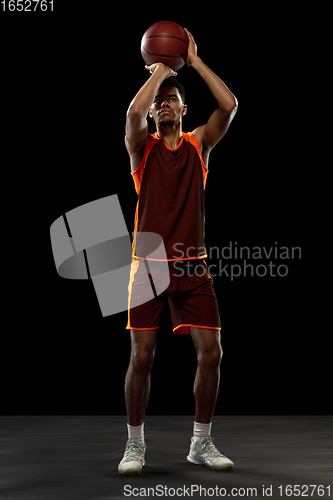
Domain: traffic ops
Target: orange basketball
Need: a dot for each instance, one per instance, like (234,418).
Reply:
(165,42)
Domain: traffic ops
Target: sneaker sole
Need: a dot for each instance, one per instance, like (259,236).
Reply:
(196,462)
(131,471)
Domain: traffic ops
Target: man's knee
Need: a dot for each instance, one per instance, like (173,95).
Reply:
(142,358)
(210,355)
(143,349)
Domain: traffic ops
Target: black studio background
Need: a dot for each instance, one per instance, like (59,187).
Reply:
(69,77)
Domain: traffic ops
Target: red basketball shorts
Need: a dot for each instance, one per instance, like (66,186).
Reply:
(189,293)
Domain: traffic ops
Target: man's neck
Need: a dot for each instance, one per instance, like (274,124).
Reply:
(170,134)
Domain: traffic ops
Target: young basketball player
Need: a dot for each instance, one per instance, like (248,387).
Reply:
(169,169)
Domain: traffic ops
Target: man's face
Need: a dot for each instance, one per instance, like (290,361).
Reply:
(167,107)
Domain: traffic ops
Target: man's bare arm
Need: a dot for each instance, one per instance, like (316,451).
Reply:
(210,134)
(136,122)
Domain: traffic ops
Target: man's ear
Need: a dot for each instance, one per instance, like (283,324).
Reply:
(184,110)
(150,114)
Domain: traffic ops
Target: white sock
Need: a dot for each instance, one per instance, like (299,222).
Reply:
(136,432)
(201,431)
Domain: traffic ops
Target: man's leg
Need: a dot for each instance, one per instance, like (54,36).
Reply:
(137,388)
(137,382)
(209,352)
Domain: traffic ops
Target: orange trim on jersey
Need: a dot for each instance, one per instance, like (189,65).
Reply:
(184,328)
(153,138)
(190,137)
(138,173)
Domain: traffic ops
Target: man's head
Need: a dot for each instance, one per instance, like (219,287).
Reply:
(169,103)
(173,82)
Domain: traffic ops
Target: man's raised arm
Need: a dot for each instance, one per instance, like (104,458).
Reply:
(210,134)
(136,123)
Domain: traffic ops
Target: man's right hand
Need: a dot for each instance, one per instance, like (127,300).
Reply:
(153,67)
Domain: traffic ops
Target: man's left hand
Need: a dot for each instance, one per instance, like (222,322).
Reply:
(192,49)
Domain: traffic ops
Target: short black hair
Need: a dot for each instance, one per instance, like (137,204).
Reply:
(173,82)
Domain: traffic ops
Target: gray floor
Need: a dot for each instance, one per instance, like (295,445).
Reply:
(73,457)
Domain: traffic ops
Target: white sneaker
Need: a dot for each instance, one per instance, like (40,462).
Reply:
(133,459)
(204,452)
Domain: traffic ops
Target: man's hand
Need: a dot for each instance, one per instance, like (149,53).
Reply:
(192,49)
(153,67)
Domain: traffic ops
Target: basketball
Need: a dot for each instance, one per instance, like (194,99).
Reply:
(165,42)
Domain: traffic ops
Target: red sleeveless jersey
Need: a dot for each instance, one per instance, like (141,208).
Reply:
(170,184)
